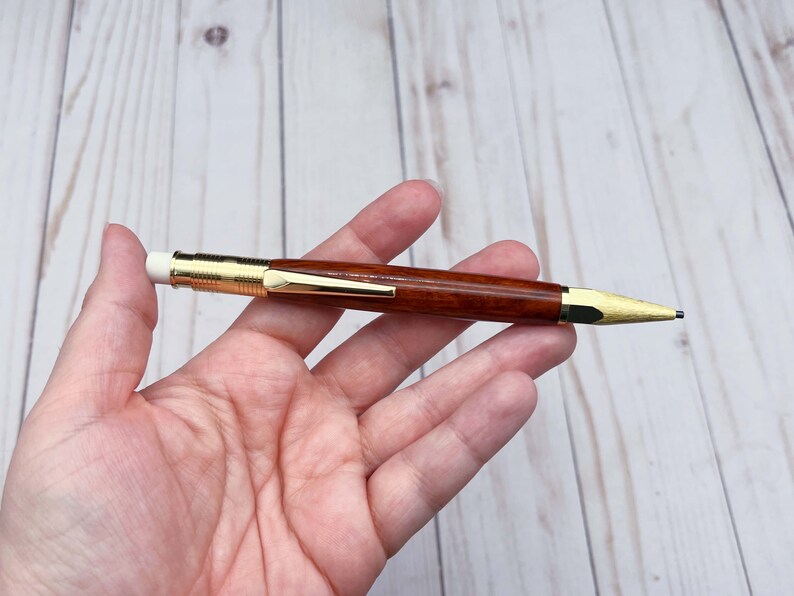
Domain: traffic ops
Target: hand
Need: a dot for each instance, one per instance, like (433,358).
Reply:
(245,471)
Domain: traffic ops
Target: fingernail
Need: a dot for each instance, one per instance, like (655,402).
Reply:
(437,185)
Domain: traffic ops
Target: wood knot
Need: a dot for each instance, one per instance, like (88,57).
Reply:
(433,88)
(782,47)
(683,341)
(216,36)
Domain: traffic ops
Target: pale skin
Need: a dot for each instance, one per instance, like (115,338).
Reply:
(245,471)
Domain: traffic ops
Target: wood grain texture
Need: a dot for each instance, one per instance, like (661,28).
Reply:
(517,527)
(729,241)
(644,148)
(113,156)
(33,41)
(341,150)
(656,512)
(226,194)
(434,292)
(762,34)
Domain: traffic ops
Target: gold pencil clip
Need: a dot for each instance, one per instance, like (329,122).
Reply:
(294,282)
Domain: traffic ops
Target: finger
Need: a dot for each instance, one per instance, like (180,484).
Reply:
(105,352)
(414,484)
(403,417)
(380,232)
(380,356)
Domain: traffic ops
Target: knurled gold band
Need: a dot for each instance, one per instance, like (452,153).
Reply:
(217,273)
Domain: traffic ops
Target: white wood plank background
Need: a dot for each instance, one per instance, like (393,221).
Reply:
(728,236)
(32,61)
(459,128)
(654,503)
(640,147)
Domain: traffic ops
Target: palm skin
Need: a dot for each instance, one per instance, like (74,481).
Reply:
(245,471)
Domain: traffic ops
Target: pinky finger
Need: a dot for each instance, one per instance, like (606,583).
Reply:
(409,488)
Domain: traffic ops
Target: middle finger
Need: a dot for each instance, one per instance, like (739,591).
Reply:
(380,356)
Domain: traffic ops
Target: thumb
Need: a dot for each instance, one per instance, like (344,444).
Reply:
(105,353)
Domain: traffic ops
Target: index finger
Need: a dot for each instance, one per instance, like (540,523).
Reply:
(377,234)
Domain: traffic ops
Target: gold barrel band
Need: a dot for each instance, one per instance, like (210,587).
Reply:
(565,305)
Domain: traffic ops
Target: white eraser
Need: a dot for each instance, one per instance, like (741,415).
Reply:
(158,267)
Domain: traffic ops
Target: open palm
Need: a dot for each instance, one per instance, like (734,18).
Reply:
(245,471)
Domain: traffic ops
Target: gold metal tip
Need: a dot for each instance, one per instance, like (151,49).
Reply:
(582,305)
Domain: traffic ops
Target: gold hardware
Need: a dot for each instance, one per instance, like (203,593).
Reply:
(565,306)
(218,273)
(254,277)
(277,281)
(581,305)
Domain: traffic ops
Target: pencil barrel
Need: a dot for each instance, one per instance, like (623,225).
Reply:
(434,292)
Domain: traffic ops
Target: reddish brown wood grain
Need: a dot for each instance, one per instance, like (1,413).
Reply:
(433,292)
